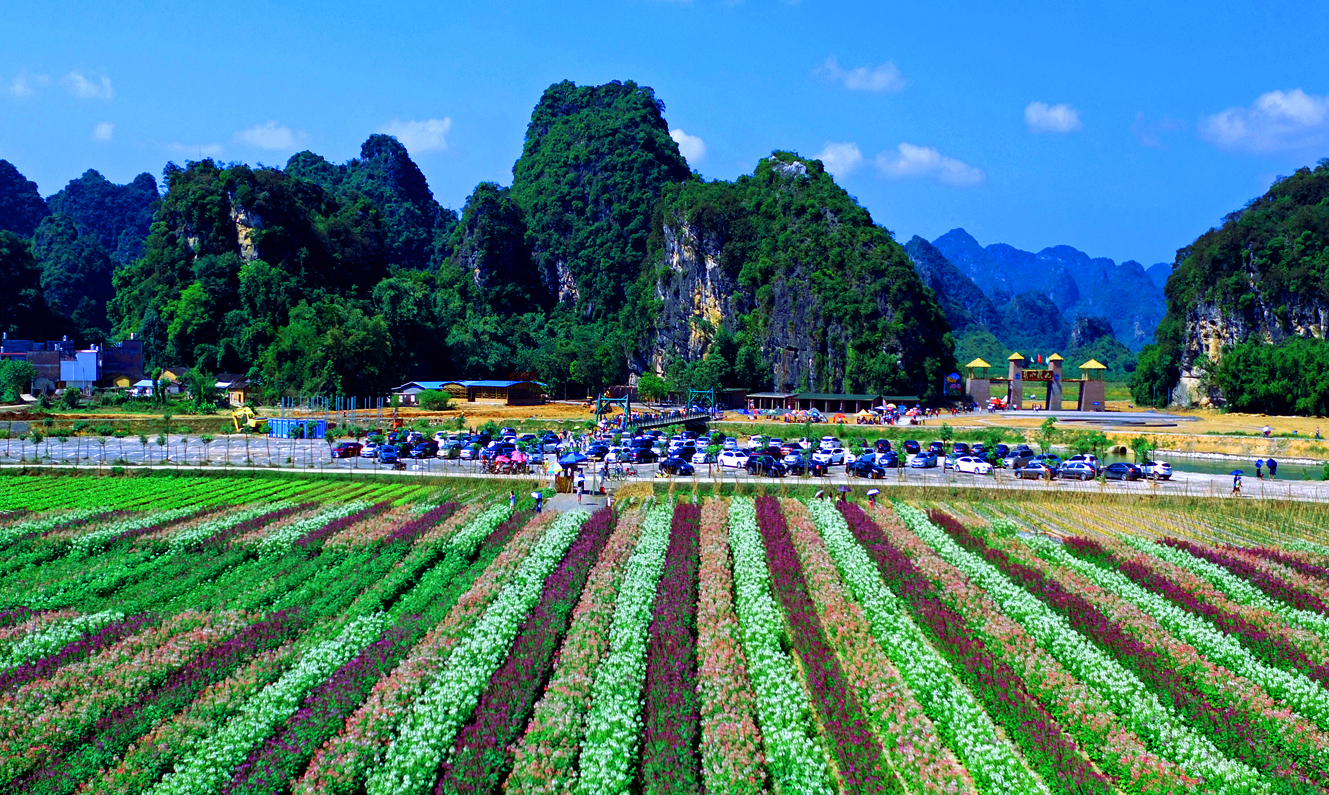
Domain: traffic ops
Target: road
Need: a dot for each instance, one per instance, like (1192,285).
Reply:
(239,453)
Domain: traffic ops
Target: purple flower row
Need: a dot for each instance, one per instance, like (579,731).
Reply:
(414,529)
(1271,584)
(669,759)
(857,752)
(313,541)
(285,754)
(15,615)
(481,756)
(115,731)
(1289,560)
(76,650)
(1233,731)
(1047,746)
(1269,647)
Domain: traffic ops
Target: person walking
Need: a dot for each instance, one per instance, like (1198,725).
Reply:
(1236,483)
(581,485)
(512,500)
(1273,468)
(1259,473)
(539,501)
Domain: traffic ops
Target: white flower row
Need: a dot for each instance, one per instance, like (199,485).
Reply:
(1236,588)
(614,723)
(191,537)
(1302,545)
(469,537)
(43,523)
(993,761)
(1128,696)
(1296,689)
(97,540)
(211,763)
(55,637)
(794,753)
(412,760)
(284,537)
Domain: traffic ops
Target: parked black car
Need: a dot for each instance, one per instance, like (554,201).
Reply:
(765,465)
(882,445)
(911,447)
(890,460)
(865,467)
(596,452)
(806,466)
(424,450)
(641,455)
(1122,471)
(960,447)
(939,448)
(676,466)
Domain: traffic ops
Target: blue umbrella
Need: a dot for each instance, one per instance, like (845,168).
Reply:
(1237,472)
(571,460)
(1259,462)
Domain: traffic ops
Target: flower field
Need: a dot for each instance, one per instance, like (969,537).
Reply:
(236,635)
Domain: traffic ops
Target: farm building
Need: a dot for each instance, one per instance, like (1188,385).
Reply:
(511,393)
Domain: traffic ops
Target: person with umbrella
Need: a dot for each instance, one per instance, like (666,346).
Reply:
(1273,468)
(1259,473)
(1236,482)
(539,501)
(872,497)
(844,495)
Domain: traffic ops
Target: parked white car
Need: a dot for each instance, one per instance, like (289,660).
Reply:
(699,457)
(370,450)
(733,458)
(829,457)
(829,443)
(1158,470)
(972,465)
(730,443)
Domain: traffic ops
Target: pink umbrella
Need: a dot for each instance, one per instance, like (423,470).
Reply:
(502,460)
(518,457)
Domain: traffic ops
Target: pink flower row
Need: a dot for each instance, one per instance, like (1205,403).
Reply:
(38,716)
(344,762)
(544,757)
(1079,709)
(908,736)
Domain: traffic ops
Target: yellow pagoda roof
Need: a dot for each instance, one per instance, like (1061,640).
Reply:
(1056,357)
(1015,357)
(978,363)
(1093,364)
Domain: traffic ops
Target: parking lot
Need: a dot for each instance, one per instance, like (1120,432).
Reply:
(237,452)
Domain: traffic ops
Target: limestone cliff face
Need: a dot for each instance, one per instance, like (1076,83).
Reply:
(697,297)
(796,271)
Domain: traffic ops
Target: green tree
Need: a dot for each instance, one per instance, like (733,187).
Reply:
(1048,434)
(1143,449)
(652,388)
(16,377)
(435,400)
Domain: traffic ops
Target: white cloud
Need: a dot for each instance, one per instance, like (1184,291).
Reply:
(25,85)
(881,79)
(908,160)
(419,136)
(1042,117)
(1276,121)
(1147,131)
(269,135)
(197,150)
(83,88)
(692,146)
(841,159)
(102,132)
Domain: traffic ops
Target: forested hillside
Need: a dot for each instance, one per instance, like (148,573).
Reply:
(1248,307)
(606,258)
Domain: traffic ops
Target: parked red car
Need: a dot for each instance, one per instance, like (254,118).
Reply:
(347,450)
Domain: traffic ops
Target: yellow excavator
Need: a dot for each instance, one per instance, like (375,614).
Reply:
(245,420)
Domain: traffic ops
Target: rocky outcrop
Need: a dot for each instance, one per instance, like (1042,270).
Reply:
(696,296)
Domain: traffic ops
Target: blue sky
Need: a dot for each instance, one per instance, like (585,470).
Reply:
(1125,132)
